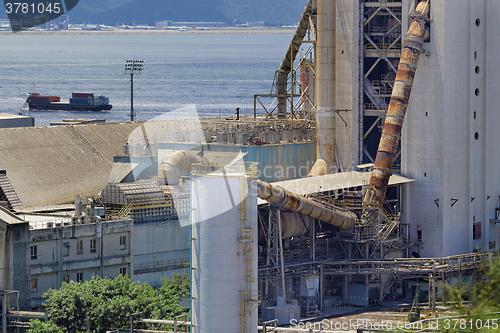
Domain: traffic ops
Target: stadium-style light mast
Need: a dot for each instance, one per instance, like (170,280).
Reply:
(133,67)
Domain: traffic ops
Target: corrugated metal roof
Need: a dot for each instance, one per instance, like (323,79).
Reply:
(46,163)
(335,181)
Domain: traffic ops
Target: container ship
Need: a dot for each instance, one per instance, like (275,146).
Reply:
(77,102)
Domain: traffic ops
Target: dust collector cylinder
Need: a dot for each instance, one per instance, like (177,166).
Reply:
(222,258)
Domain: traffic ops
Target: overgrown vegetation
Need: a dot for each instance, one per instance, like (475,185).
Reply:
(108,303)
(481,297)
(475,307)
(477,304)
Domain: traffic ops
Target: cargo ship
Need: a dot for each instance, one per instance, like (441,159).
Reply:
(77,102)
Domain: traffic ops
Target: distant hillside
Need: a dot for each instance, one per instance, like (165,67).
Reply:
(113,12)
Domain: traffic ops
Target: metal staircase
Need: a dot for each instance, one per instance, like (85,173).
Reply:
(7,192)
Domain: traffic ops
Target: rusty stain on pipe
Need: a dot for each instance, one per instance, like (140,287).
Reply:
(286,64)
(391,133)
(345,220)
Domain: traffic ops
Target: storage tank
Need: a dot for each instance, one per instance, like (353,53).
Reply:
(224,252)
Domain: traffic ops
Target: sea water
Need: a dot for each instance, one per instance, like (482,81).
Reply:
(215,72)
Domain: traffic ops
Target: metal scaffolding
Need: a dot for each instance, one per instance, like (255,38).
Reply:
(380,29)
(292,91)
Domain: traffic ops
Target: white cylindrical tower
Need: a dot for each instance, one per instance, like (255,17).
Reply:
(325,80)
(224,252)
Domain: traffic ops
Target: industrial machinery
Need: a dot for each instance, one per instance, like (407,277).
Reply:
(414,314)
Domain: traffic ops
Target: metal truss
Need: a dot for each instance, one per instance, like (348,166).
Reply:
(380,29)
(299,98)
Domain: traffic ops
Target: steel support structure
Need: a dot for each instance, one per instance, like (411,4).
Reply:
(379,49)
(383,273)
(290,91)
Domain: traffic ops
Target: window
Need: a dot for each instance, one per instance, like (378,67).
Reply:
(66,278)
(79,277)
(79,247)
(33,252)
(66,251)
(123,242)
(476,230)
(93,248)
(123,271)
(34,285)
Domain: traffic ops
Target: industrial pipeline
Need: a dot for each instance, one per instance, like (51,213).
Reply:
(342,219)
(412,47)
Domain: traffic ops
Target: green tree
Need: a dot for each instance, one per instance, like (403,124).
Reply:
(108,303)
(167,302)
(37,326)
(477,301)
(482,296)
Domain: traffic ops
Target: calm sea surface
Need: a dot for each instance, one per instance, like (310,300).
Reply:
(215,72)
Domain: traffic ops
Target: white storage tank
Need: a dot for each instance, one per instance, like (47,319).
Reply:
(224,252)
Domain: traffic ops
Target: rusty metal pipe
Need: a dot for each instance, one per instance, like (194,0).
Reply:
(391,133)
(291,53)
(345,220)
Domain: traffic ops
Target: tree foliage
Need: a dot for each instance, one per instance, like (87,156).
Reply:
(108,303)
(37,326)
(482,296)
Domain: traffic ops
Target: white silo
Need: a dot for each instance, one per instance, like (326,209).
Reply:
(224,252)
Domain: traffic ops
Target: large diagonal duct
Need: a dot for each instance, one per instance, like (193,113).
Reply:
(391,133)
(343,219)
(291,53)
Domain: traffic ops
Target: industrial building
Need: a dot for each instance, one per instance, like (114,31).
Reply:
(9,120)
(42,253)
(363,223)
(443,215)
(446,134)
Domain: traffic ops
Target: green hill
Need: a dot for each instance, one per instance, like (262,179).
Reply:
(111,12)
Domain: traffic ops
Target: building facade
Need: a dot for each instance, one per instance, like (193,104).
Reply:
(450,134)
(39,256)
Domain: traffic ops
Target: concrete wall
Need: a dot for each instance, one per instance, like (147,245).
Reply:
(276,162)
(440,148)
(10,121)
(4,257)
(13,254)
(18,257)
(345,58)
(161,250)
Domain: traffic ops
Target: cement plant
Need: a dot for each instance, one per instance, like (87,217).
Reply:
(367,174)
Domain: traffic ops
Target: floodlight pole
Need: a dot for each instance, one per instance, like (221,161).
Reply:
(132,96)
(132,66)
